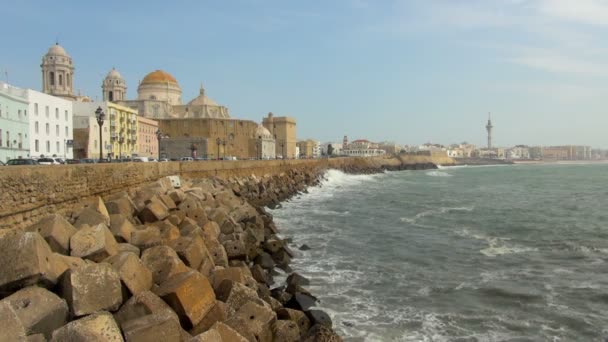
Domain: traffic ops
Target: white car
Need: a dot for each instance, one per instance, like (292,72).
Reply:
(48,161)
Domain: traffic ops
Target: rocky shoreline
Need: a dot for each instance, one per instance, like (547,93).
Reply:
(194,262)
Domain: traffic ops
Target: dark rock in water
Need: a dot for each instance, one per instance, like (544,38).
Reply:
(288,240)
(304,247)
(297,279)
(348,324)
(301,302)
(321,333)
(305,191)
(265,260)
(319,317)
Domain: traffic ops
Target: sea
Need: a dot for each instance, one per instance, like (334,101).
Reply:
(489,253)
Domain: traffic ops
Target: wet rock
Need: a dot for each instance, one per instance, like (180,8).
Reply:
(304,247)
(321,333)
(319,317)
(297,279)
(295,316)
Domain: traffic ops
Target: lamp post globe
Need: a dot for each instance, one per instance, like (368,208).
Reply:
(101,116)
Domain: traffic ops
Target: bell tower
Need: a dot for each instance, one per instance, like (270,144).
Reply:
(114,87)
(58,73)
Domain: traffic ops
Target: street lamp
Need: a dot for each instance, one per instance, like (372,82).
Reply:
(121,140)
(282,149)
(218,141)
(224,143)
(260,154)
(101,116)
(159,135)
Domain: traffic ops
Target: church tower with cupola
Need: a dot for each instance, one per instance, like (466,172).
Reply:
(114,87)
(58,73)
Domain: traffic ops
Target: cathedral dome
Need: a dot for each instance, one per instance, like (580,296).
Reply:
(159,76)
(263,132)
(57,50)
(114,74)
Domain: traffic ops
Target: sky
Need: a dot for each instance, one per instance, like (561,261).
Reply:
(408,71)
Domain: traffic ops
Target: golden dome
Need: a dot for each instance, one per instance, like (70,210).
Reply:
(158,76)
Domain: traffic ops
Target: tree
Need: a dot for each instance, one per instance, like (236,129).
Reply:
(330,150)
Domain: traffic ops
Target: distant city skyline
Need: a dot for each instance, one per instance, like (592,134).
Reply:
(405,71)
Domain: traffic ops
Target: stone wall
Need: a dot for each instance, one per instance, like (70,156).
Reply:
(29,193)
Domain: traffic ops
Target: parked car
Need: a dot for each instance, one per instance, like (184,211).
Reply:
(48,161)
(59,160)
(140,159)
(72,161)
(22,162)
(88,161)
(163,160)
(186,159)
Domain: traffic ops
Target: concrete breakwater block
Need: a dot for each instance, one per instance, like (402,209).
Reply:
(25,260)
(98,327)
(190,295)
(57,232)
(91,288)
(94,243)
(39,310)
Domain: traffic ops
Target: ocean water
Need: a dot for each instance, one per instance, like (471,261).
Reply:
(499,253)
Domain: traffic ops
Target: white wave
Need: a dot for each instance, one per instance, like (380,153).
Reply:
(494,250)
(436,173)
(438,211)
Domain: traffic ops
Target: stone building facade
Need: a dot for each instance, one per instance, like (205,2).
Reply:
(147,139)
(58,73)
(283,129)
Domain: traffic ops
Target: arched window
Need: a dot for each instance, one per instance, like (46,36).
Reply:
(110,96)
(152,97)
(60,79)
(52,78)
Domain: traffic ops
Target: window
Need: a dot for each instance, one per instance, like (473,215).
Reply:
(52,78)
(0,138)
(19,114)
(56,113)
(66,132)
(60,79)
(36,127)
(8,139)
(36,145)
(66,115)
(95,143)
(25,112)
(48,146)
(57,148)
(48,129)
(20,140)
(36,108)
(57,130)
(46,110)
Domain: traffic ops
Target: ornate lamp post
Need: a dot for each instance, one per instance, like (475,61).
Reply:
(159,135)
(101,116)
(224,143)
(121,140)
(218,141)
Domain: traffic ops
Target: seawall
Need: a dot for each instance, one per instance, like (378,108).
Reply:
(31,192)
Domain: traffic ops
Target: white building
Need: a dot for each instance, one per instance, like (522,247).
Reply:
(265,143)
(336,148)
(316,150)
(51,129)
(362,148)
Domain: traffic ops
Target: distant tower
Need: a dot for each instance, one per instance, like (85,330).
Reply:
(345,143)
(489,129)
(114,87)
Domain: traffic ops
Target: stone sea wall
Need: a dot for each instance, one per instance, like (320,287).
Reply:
(31,192)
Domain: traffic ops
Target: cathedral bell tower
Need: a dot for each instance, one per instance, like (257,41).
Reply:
(114,87)
(58,73)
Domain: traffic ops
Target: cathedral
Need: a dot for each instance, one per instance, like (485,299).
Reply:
(198,128)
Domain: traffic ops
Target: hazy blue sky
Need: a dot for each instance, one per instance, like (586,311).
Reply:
(411,71)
